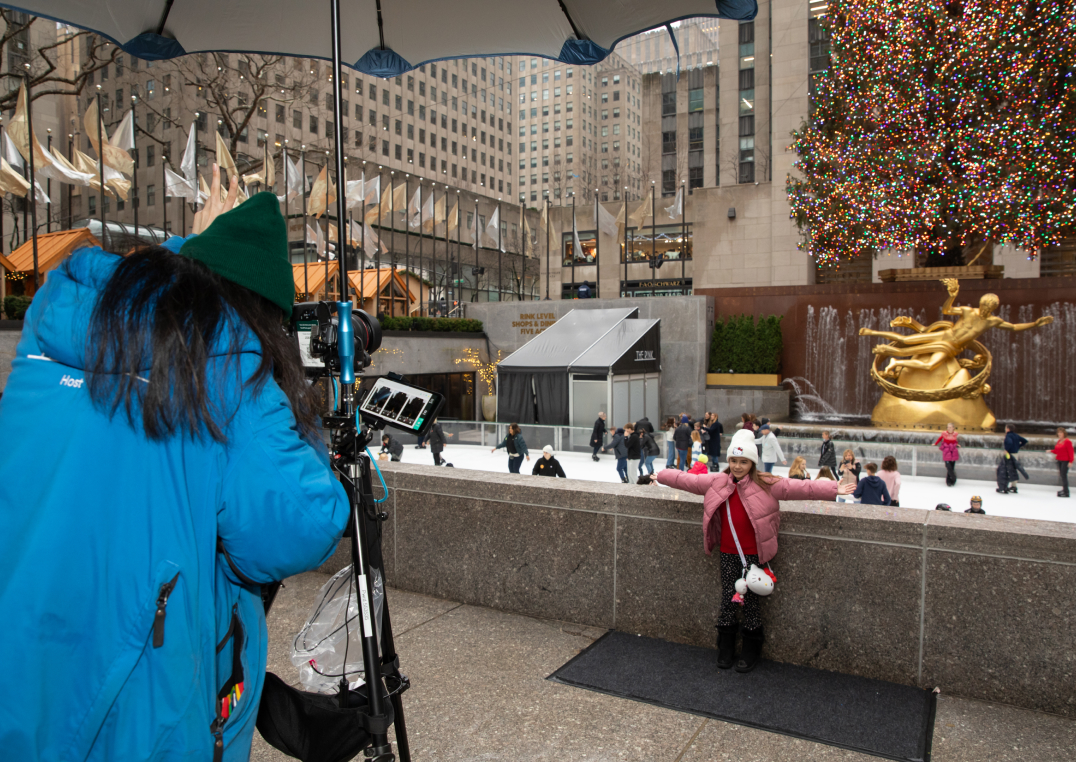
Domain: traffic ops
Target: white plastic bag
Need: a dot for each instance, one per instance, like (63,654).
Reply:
(319,648)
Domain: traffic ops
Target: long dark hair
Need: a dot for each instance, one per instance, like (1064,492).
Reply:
(167,314)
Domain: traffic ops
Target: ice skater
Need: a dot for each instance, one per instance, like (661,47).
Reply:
(949,444)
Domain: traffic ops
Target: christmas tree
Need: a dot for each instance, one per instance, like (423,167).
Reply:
(940,128)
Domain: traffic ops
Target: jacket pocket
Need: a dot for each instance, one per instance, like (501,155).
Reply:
(145,624)
(231,679)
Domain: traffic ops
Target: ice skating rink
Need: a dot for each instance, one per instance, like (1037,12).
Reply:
(1034,501)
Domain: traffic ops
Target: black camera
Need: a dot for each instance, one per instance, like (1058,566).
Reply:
(316,327)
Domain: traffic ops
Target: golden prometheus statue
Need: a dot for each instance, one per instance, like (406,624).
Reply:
(934,385)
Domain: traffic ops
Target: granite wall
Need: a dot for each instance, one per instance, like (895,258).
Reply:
(978,606)
(686,326)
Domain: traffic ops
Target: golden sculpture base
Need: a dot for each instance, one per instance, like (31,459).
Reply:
(966,414)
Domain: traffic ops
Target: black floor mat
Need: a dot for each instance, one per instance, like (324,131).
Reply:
(871,716)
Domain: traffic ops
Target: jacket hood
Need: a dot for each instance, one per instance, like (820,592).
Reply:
(59,317)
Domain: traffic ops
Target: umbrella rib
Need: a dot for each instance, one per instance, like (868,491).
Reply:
(575,29)
(380,25)
(164,16)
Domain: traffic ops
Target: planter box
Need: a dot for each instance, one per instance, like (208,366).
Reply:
(743,379)
(434,334)
(972,272)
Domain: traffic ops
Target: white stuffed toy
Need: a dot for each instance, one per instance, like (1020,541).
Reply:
(758,581)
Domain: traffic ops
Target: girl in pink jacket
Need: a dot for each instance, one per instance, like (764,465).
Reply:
(741,516)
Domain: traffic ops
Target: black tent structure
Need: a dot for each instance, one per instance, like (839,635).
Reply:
(587,362)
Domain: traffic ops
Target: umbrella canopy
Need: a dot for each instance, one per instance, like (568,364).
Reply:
(384,41)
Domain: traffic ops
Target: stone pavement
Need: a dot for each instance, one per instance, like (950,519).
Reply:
(479,693)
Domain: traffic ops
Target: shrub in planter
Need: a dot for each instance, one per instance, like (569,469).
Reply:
(15,306)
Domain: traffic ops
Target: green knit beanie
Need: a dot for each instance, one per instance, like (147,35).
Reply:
(249,246)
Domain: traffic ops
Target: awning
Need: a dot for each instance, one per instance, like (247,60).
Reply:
(592,341)
(52,248)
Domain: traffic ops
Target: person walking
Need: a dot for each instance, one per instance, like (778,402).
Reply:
(771,449)
(1013,443)
(827,455)
(949,445)
(547,465)
(714,430)
(682,440)
(644,424)
(891,476)
(741,517)
(619,446)
(191,472)
(437,439)
(670,445)
(597,437)
(697,446)
(516,447)
(1063,452)
(634,450)
(649,449)
(872,490)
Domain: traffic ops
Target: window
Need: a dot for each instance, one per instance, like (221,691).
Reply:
(616,79)
(151,155)
(568,89)
(384,97)
(747,102)
(384,148)
(280,113)
(605,97)
(373,93)
(616,95)
(313,125)
(151,89)
(151,195)
(398,152)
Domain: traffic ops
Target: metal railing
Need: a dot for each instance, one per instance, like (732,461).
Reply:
(562,438)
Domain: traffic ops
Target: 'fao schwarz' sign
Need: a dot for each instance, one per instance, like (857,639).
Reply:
(644,355)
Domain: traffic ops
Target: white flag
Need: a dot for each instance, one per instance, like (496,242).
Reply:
(123,138)
(414,208)
(577,247)
(373,243)
(187,164)
(177,187)
(39,193)
(354,193)
(373,190)
(11,153)
(493,229)
(677,207)
(295,183)
(606,221)
(61,170)
(427,213)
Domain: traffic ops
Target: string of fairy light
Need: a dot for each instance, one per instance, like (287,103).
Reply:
(487,371)
(940,123)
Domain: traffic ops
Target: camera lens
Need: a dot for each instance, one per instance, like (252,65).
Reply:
(367,331)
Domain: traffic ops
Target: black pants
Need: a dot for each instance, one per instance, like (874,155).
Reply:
(950,473)
(1063,469)
(436,457)
(732,570)
(597,447)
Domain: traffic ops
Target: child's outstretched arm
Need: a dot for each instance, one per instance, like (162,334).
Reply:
(696,483)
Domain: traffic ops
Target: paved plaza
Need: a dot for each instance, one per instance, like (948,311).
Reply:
(479,693)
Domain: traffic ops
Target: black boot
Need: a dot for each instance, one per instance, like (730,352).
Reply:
(726,645)
(751,653)
(1063,493)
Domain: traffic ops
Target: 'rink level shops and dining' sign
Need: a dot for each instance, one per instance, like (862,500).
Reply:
(533,323)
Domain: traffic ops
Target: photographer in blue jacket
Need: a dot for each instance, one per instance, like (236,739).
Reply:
(166,465)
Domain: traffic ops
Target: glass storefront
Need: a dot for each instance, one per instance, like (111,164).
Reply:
(587,242)
(666,242)
(664,287)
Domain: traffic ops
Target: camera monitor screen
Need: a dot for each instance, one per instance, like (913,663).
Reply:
(397,404)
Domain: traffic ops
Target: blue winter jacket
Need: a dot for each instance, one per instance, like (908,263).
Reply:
(1013,442)
(130,570)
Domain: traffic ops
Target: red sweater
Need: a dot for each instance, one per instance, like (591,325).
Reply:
(1063,450)
(744,530)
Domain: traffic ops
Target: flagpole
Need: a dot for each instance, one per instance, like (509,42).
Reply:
(653,234)
(70,190)
(625,239)
(683,238)
(458,292)
(341,181)
(597,245)
(164,199)
(407,239)
(327,181)
(101,166)
(134,172)
(392,241)
(48,186)
(422,308)
(33,183)
(306,259)
(477,237)
(575,253)
(547,246)
(287,216)
(2,195)
(362,237)
(377,251)
(500,255)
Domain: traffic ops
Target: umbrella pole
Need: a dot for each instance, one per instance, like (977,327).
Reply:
(683,239)
(547,246)
(33,183)
(287,217)
(377,251)
(500,255)
(328,179)
(164,198)
(48,188)
(134,172)
(422,308)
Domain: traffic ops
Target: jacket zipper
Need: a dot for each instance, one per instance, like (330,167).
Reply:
(217,729)
(162,604)
(231,628)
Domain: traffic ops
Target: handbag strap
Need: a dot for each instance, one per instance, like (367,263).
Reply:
(735,539)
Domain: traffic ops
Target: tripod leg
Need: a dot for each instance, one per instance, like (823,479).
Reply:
(391,664)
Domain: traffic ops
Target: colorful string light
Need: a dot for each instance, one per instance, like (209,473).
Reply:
(940,124)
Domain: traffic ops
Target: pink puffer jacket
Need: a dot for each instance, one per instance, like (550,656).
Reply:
(761,504)
(949,445)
